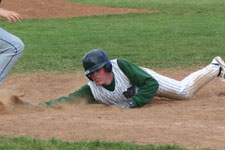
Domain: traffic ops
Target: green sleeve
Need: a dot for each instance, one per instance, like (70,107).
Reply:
(147,85)
(84,93)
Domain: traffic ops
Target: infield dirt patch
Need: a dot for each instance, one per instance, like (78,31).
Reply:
(61,9)
(195,123)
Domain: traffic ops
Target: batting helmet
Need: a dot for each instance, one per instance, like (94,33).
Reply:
(94,60)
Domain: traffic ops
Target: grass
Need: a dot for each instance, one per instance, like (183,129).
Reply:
(26,143)
(182,34)
(152,40)
(165,6)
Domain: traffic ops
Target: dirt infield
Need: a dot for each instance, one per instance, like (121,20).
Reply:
(61,8)
(195,123)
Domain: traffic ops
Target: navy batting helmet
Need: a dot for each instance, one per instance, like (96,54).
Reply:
(94,60)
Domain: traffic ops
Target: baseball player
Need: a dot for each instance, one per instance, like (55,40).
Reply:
(11,47)
(121,83)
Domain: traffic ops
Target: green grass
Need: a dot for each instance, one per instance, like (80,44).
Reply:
(165,6)
(182,34)
(25,143)
(151,40)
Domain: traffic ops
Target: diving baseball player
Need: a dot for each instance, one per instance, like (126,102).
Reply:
(11,47)
(121,83)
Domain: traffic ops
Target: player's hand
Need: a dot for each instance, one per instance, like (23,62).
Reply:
(16,100)
(10,15)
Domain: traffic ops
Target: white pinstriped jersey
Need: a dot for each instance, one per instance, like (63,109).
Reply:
(115,97)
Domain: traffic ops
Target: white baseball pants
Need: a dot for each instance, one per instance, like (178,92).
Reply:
(187,87)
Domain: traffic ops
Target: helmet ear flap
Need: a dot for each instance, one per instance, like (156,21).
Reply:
(108,67)
(89,77)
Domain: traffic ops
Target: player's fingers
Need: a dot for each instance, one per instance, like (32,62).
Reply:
(10,20)
(16,17)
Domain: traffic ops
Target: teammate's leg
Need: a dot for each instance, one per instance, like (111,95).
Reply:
(187,87)
(11,48)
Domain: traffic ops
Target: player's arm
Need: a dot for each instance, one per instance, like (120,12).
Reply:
(148,86)
(84,93)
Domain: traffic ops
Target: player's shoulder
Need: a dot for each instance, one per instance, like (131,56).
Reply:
(121,60)
(123,63)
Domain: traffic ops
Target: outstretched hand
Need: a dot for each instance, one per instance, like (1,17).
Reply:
(17,101)
(10,15)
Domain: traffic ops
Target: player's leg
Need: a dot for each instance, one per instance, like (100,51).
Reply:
(11,48)
(186,88)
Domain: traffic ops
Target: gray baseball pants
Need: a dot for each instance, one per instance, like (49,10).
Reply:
(11,49)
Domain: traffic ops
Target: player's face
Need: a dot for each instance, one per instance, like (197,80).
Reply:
(99,76)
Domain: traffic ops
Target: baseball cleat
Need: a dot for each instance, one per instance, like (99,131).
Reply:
(221,63)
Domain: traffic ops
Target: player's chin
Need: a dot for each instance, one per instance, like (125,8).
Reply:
(98,82)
